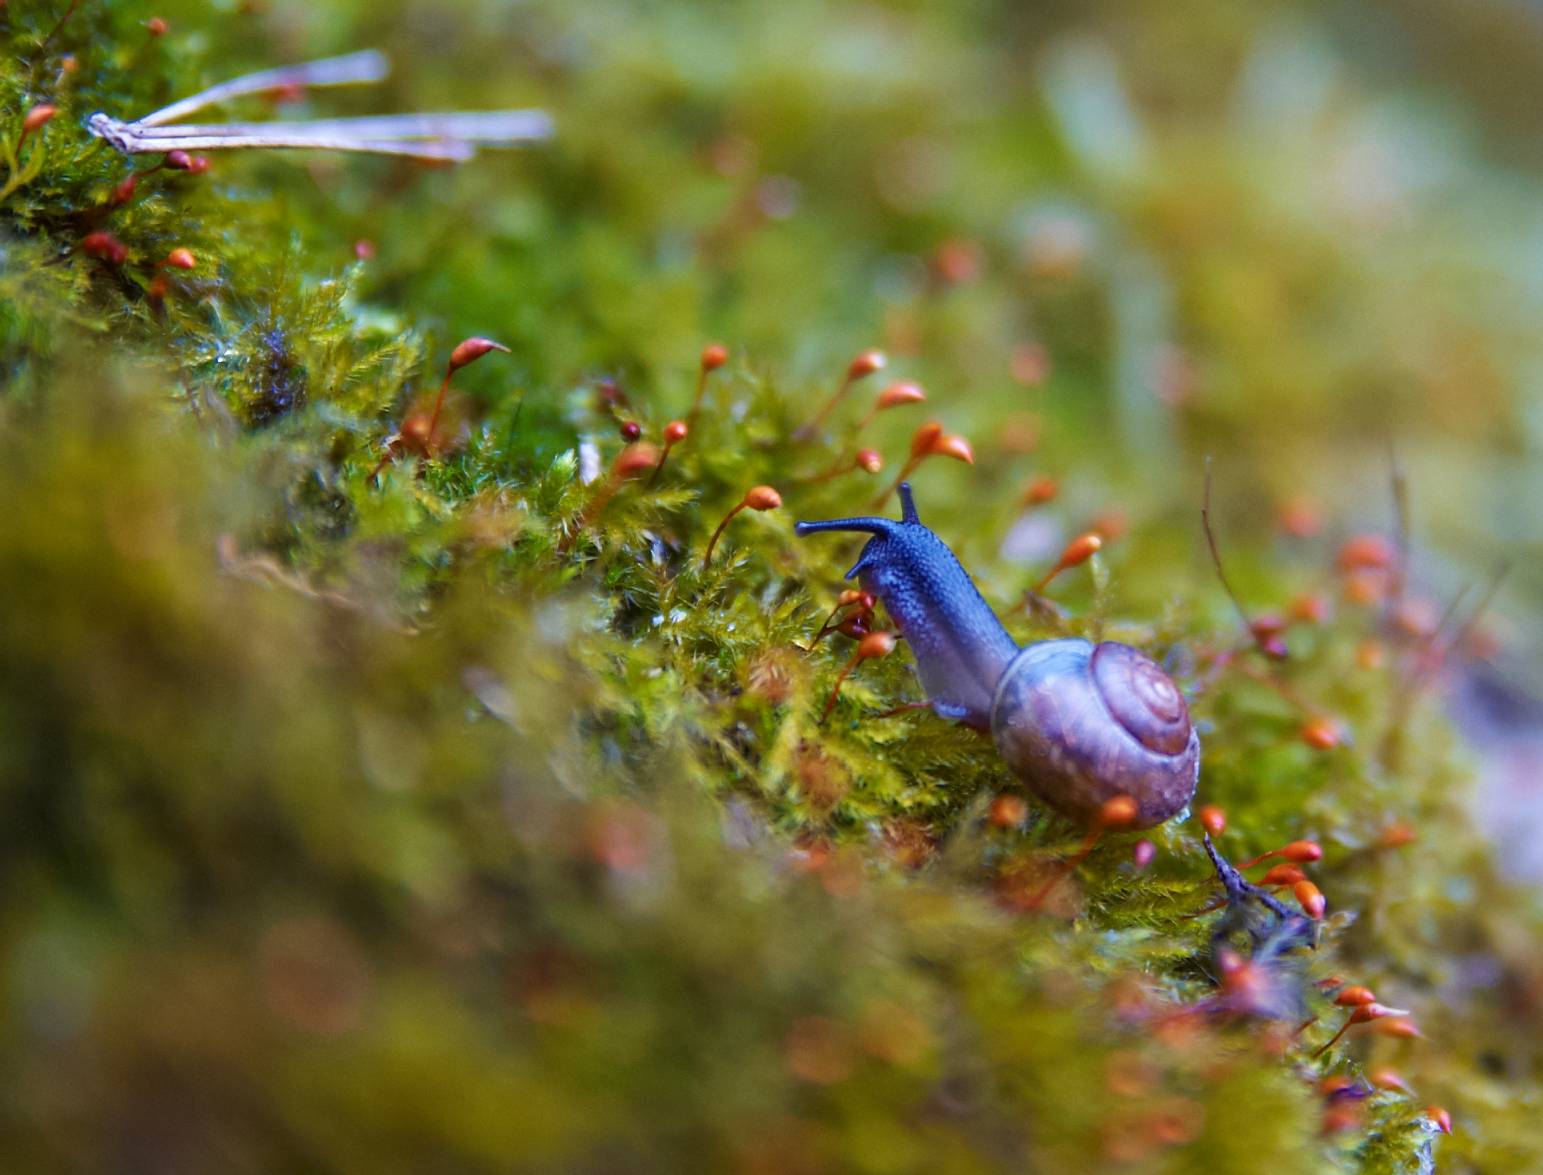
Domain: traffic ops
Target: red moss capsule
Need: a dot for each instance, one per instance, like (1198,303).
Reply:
(1309,608)
(105,247)
(37,118)
(1040,491)
(675,432)
(178,160)
(1079,550)
(1303,852)
(180,258)
(1389,1079)
(1365,552)
(714,356)
(1282,875)
(763,498)
(897,394)
(1321,733)
(156,26)
(630,430)
(925,436)
(472,349)
(635,460)
(953,445)
(1118,812)
(869,460)
(1008,811)
(1213,819)
(1355,996)
(1310,898)
(865,364)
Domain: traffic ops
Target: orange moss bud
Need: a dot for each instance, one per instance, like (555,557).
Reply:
(1310,898)
(1439,1118)
(1299,517)
(1213,819)
(1397,1027)
(1303,852)
(714,356)
(469,350)
(869,460)
(1118,812)
(1008,811)
(924,438)
(763,498)
(1365,587)
(1397,835)
(1369,654)
(865,364)
(180,258)
(954,446)
(1355,996)
(1365,552)
(156,26)
(635,460)
(675,431)
(105,247)
(899,393)
(1388,1079)
(37,118)
(1309,608)
(1081,549)
(1283,875)
(875,644)
(1417,617)
(1040,491)
(1321,733)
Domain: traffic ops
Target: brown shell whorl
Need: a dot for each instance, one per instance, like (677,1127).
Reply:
(1081,724)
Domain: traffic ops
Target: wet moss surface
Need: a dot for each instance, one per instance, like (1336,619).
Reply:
(384,789)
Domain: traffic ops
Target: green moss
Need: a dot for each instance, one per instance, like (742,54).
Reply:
(459,818)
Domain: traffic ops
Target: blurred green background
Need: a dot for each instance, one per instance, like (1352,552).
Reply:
(369,828)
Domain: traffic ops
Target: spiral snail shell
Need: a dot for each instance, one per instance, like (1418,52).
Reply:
(1078,723)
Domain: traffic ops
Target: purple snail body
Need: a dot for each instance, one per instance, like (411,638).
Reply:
(1079,723)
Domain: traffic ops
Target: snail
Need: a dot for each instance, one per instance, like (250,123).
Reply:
(1079,723)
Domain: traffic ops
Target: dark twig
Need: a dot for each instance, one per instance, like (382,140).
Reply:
(1216,557)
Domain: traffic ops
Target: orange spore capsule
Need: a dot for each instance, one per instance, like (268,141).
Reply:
(1040,491)
(472,349)
(1213,819)
(865,364)
(1311,899)
(1321,733)
(1303,852)
(1355,996)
